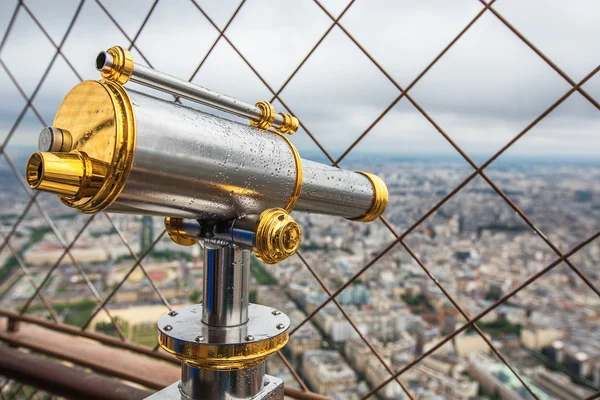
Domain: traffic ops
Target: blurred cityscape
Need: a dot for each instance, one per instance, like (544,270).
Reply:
(475,246)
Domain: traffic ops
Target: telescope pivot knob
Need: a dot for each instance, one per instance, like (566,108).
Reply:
(278,236)
(177,234)
(273,236)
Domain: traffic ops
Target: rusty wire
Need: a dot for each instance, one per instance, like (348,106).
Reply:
(399,238)
(593,396)
(3,385)
(354,326)
(292,370)
(482,314)
(27,274)
(33,201)
(138,261)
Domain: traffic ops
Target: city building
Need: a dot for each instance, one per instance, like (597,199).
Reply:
(327,372)
(497,380)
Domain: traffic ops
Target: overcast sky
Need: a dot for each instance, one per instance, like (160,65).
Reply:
(487,88)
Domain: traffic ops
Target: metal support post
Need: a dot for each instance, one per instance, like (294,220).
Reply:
(225,295)
(224,342)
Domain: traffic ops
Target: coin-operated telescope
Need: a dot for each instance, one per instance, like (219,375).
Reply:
(227,185)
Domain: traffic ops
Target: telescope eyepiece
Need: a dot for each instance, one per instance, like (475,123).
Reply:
(73,175)
(115,64)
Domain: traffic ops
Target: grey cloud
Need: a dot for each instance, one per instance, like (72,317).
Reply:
(486,89)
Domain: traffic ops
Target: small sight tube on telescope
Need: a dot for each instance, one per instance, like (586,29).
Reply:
(116,64)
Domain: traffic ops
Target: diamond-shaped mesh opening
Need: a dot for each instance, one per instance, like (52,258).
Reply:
(27,66)
(59,82)
(225,72)
(195,35)
(487,95)
(54,20)
(379,25)
(84,42)
(14,206)
(12,108)
(292,43)
(539,30)
(130,16)
(339,91)
(415,183)
(475,252)
(489,80)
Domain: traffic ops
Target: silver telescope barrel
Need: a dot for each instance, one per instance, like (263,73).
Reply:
(134,153)
(117,64)
(228,185)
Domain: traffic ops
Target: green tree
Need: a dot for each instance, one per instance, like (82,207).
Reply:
(147,233)
(260,272)
(108,328)
(195,296)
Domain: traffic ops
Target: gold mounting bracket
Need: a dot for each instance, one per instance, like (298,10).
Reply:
(290,123)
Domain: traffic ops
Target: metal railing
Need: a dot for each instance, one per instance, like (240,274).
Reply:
(403,92)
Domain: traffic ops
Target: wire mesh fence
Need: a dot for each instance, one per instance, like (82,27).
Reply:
(13,390)
(134,35)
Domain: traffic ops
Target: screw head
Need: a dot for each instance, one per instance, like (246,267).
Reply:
(167,328)
(280,326)
(199,338)
(276,312)
(249,338)
(173,313)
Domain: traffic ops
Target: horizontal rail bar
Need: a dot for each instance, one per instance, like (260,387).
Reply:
(163,377)
(59,379)
(302,395)
(104,339)
(129,366)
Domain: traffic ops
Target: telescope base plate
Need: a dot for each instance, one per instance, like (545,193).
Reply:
(182,333)
(272,390)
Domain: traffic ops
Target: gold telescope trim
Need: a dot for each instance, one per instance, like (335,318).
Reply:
(99,118)
(278,236)
(380,198)
(122,65)
(223,356)
(73,175)
(267,115)
(177,234)
(299,178)
(290,123)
